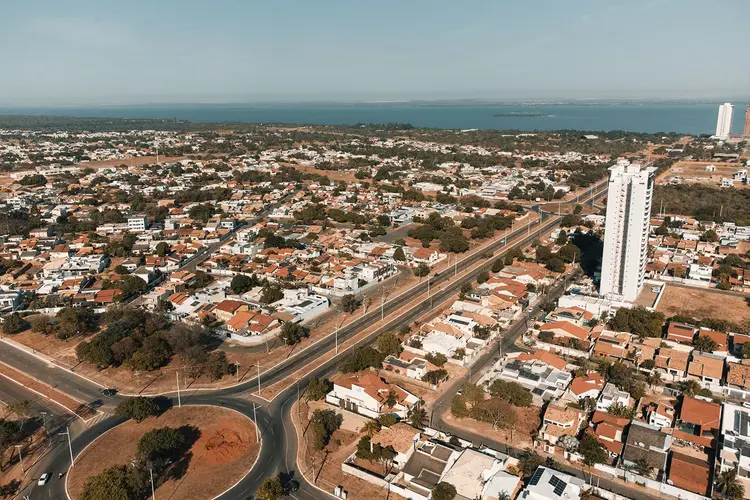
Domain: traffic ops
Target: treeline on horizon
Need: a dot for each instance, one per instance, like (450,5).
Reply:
(53,123)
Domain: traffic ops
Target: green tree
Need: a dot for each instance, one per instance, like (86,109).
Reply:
(421,270)
(705,343)
(115,483)
(14,323)
(444,491)
(482,277)
(710,235)
(389,343)
(323,424)
(317,389)
(746,350)
(360,359)
(556,265)
(371,428)
(398,254)
(438,359)
(417,416)
(271,489)
(165,443)
(241,284)
(138,408)
(642,467)
(349,303)
(162,248)
(729,486)
(592,451)
(154,353)
(293,333)
(270,294)
(434,377)
(498,265)
(689,387)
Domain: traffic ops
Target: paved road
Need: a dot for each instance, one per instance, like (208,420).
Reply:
(278,453)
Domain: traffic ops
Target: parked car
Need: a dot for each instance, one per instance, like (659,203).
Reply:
(43,479)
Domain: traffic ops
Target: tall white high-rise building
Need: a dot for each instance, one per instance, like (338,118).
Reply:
(631,188)
(724,123)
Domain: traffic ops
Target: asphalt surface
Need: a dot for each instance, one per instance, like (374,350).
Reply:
(279,440)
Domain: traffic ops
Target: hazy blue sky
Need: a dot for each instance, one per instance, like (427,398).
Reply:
(144,51)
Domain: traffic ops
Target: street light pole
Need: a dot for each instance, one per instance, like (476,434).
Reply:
(257,427)
(179,400)
(258,379)
(44,422)
(20,458)
(153,493)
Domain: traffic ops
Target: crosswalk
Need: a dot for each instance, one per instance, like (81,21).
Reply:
(100,415)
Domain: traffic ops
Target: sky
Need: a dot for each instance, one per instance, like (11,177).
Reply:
(68,52)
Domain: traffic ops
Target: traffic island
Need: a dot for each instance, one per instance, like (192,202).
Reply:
(220,449)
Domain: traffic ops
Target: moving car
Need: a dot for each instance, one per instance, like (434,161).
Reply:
(109,392)
(43,479)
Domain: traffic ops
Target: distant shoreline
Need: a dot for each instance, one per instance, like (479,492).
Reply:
(521,115)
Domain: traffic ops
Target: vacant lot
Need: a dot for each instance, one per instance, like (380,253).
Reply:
(701,303)
(694,172)
(224,451)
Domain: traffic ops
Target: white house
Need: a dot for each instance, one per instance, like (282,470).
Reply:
(612,395)
(367,394)
(549,484)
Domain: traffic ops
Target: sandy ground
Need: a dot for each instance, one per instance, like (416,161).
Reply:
(528,420)
(223,452)
(701,303)
(694,172)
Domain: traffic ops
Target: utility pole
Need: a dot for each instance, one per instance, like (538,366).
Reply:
(70,445)
(179,400)
(258,379)
(237,369)
(153,493)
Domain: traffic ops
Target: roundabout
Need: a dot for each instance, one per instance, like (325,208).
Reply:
(220,449)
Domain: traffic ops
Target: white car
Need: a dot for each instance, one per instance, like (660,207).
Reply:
(43,479)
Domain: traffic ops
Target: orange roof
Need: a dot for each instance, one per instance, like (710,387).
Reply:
(699,412)
(228,305)
(705,366)
(565,327)
(721,339)
(240,320)
(739,375)
(586,383)
(546,357)
(689,473)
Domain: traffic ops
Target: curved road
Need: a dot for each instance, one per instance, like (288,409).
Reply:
(279,440)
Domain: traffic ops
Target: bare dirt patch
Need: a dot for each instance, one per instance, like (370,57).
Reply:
(223,453)
(694,172)
(700,303)
(528,421)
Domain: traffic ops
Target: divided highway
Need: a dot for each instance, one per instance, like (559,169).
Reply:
(279,440)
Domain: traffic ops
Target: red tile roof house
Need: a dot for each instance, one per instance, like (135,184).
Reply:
(699,417)
(609,431)
(367,394)
(690,473)
(682,333)
(590,385)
